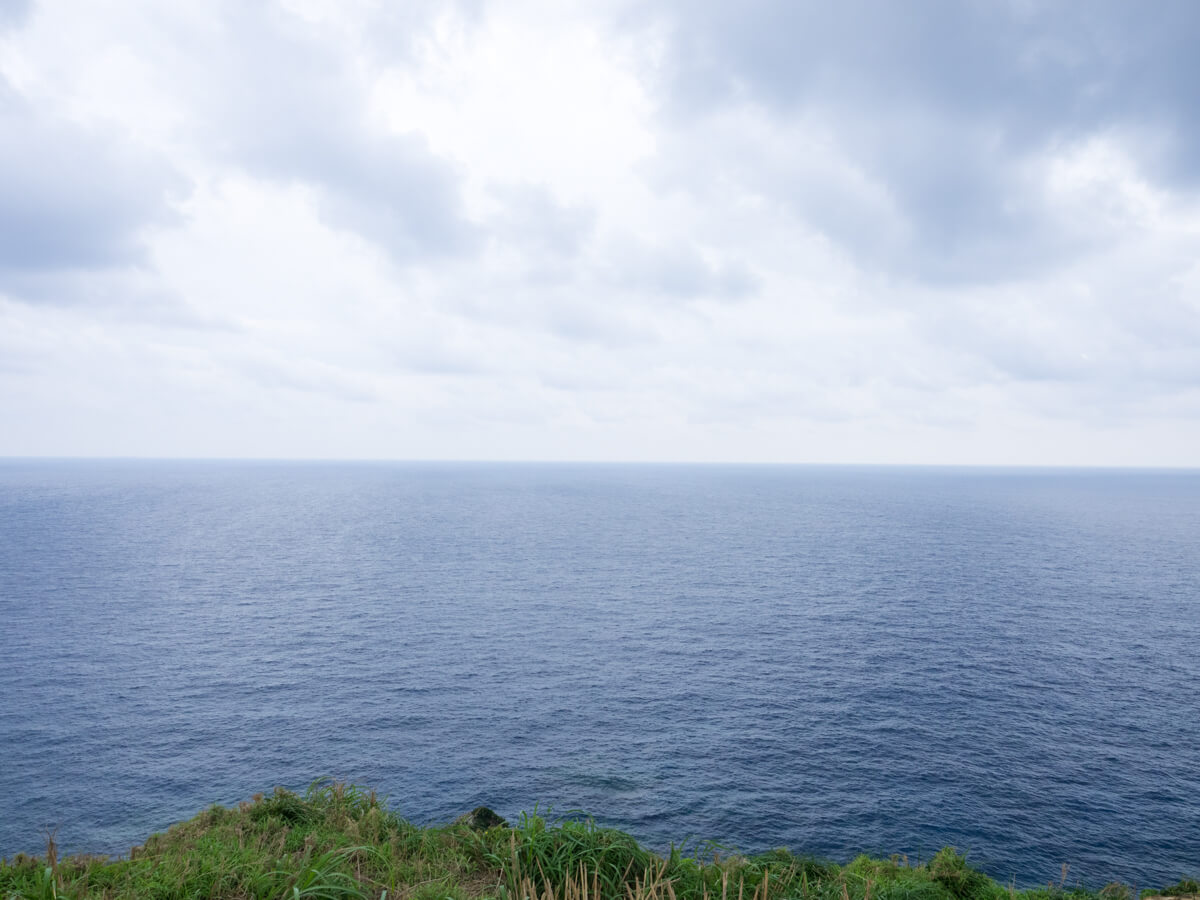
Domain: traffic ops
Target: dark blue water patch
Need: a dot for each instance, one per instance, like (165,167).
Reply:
(836,660)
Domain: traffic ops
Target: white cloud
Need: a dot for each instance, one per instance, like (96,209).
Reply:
(528,93)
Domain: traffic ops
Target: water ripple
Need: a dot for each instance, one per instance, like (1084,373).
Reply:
(835,660)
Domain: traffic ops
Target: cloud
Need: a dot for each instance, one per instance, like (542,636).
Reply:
(1030,68)
(72,199)
(561,246)
(305,376)
(943,115)
(529,216)
(13,13)
(629,229)
(675,270)
(288,103)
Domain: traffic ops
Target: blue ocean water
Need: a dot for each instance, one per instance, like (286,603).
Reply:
(835,660)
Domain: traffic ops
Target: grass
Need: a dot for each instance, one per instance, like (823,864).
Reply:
(341,842)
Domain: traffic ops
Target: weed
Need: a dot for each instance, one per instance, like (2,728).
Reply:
(322,880)
(342,842)
(1184,887)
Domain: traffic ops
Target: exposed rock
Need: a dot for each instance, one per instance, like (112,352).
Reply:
(481,818)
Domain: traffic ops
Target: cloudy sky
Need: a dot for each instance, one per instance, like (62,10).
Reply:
(933,232)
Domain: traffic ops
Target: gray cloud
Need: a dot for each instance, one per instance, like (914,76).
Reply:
(72,199)
(531,217)
(1118,353)
(573,281)
(1031,68)
(280,100)
(306,377)
(13,13)
(397,30)
(945,105)
(390,190)
(676,270)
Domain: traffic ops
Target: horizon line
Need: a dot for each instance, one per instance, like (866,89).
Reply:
(1139,467)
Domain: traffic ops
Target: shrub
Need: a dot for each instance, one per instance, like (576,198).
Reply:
(949,869)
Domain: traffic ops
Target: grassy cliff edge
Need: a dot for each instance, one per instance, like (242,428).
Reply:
(341,842)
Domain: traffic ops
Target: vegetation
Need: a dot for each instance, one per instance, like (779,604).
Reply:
(340,842)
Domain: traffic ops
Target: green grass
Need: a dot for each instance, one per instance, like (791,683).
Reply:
(341,842)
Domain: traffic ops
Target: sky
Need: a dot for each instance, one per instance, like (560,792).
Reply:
(635,230)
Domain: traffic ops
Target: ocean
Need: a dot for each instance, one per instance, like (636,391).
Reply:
(830,659)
